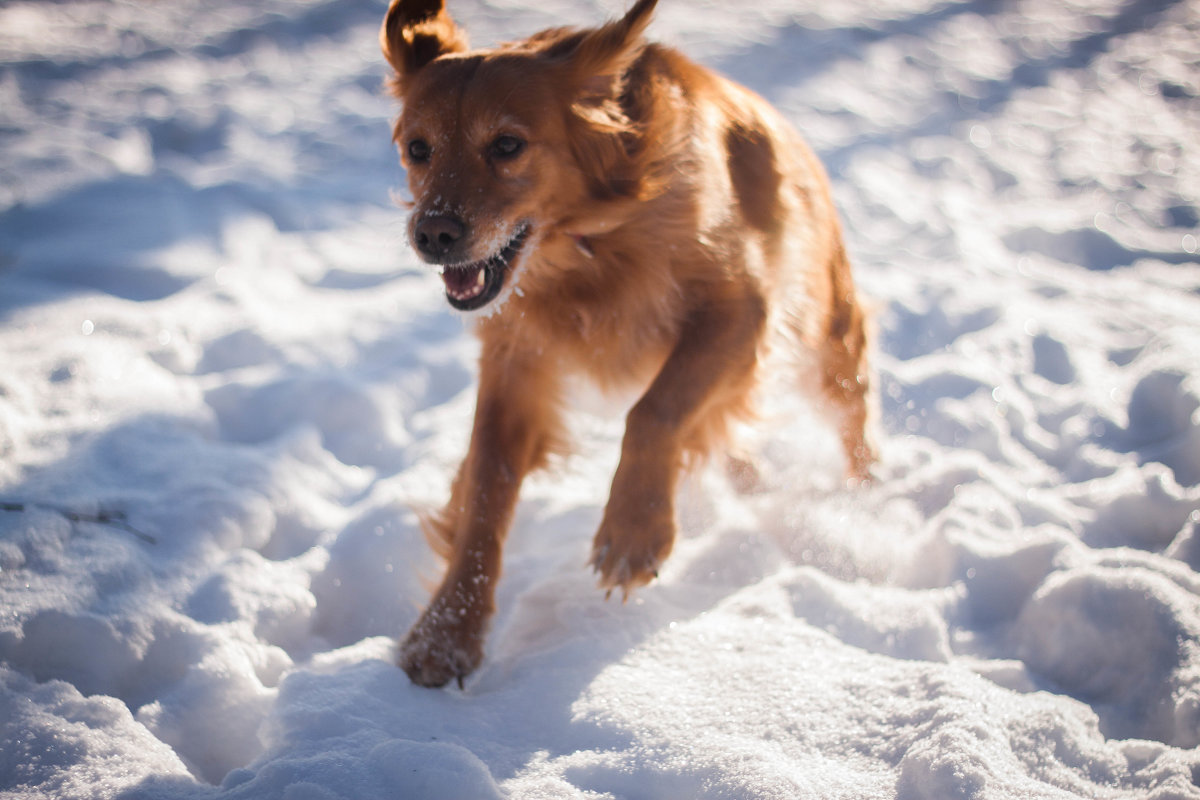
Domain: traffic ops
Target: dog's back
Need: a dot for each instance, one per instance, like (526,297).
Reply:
(740,199)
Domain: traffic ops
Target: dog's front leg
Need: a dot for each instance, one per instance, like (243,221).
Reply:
(515,424)
(707,377)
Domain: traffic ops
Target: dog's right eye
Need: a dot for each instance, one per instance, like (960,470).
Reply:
(507,147)
(419,150)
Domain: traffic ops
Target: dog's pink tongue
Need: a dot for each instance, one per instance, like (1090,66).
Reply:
(463,283)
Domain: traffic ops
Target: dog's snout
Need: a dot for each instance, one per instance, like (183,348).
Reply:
(437,236)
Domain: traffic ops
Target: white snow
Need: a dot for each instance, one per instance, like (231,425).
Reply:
(214,335)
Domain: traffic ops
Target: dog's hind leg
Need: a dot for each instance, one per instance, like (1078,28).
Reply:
(846,384)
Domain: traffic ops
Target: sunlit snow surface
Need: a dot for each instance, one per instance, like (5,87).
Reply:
(210,323)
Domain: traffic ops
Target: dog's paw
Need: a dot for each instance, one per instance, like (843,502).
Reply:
(859,462)
(744,475)
(441,647)
(626,554)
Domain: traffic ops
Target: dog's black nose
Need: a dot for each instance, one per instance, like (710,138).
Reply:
(437,235)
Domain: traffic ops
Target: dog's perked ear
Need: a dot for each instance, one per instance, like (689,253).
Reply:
(416,32)
(597,58)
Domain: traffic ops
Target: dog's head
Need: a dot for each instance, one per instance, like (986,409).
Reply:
(512,145)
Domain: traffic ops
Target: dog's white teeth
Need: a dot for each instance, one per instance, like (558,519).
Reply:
(461,286)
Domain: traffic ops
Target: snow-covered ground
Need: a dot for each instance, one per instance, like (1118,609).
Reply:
(214,336)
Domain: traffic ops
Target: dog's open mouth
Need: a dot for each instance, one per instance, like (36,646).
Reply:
(474,285)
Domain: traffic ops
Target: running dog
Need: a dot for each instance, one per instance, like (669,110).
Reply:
(606,207)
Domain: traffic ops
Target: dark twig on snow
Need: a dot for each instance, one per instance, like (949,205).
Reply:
(113,519)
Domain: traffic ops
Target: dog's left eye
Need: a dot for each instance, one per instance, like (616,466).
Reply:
(507,147)
(419,150)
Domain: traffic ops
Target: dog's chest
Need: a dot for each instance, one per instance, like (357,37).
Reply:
(619,343)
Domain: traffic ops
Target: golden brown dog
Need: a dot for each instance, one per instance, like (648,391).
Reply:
(615,210)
